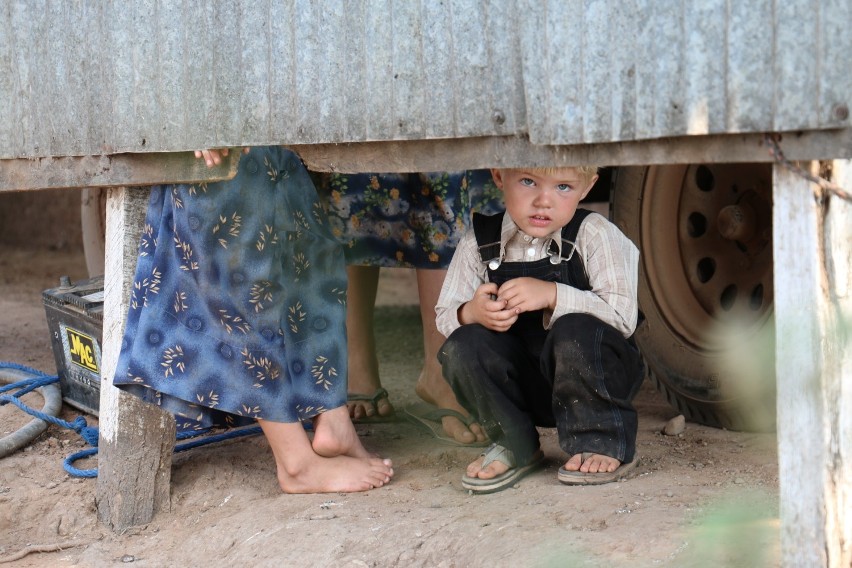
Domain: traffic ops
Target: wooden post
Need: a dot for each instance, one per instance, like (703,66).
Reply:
(813,310)
(136,439)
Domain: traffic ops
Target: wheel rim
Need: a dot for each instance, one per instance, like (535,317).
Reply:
(710,230)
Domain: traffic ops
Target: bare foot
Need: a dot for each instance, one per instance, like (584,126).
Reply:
(491,471)
(593,463)
(334,435)
(301,470)
(431,385)
(333,475)
(359,409)
(434,389)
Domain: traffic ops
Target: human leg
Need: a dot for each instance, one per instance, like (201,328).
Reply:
(590,361)
(431,385)
(495,378)
(335,435)
(248,318)
(363,363)
(301,470)
(275,350)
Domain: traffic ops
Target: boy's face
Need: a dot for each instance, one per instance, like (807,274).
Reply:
(542,203)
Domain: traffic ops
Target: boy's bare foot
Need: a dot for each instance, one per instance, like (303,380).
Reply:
(434,389)
(301,470)
(594,463)
(334,435)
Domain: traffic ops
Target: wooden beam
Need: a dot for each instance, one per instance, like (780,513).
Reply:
(112,171)
(813,311)
(145,169)
(136,439)
(514,151)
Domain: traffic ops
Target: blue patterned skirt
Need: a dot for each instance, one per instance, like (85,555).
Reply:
(238,305)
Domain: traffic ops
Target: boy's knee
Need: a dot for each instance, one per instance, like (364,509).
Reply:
(462,344)
(576,325)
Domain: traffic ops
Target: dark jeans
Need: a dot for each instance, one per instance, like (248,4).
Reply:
(579,376)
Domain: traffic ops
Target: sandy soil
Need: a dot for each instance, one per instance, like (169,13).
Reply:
(706,497)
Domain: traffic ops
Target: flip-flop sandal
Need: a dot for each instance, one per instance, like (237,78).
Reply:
(506,479)
(429,416)
(580,478)
(373,399)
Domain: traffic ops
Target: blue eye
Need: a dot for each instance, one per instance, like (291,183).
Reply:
(563,187)
(527,182)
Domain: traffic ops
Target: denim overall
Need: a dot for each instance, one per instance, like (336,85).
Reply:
(580,376)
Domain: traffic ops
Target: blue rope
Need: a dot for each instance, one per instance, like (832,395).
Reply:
(24,368)
(250,431)
(90,433)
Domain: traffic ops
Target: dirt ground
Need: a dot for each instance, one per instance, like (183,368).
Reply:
(707,497)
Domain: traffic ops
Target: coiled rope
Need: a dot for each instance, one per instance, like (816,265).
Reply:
(34,379)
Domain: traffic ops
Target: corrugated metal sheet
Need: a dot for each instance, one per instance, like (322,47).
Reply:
(91,77)
(599,70)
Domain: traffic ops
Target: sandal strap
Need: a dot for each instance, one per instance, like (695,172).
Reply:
(496,452)
(377,395)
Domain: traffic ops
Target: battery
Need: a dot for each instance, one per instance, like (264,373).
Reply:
(75,319)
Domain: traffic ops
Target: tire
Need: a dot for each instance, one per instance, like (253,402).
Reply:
(705,286)
(52,396)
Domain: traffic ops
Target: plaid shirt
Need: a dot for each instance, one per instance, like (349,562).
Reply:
(611,261)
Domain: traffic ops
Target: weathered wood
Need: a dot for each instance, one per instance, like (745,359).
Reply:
(513,151)
(813,310)
(112,171)
(136,439)
(420,155)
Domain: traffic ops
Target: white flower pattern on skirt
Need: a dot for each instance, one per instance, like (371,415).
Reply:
(238,304)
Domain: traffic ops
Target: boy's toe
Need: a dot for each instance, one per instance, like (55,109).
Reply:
(574,463)
(475,467)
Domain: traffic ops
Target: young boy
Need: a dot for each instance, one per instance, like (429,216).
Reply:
(539,306)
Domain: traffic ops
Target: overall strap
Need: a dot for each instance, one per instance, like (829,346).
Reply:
(569,231)
(486,229)
(569,234)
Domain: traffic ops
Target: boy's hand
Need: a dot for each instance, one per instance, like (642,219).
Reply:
(486,311)
(213,156)
(528,294)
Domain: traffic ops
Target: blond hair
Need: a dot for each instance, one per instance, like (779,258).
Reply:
(586,172)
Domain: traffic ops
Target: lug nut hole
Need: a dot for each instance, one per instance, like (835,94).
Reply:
(706,269)
(704,179)
(696,225)
(729,296)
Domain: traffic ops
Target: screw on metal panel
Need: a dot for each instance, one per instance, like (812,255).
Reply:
(840,112)
(498,117)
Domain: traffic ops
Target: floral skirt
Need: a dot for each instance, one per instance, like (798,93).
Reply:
(238,305)
(411,220)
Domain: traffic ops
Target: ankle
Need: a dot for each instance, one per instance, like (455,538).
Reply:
(329,446)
